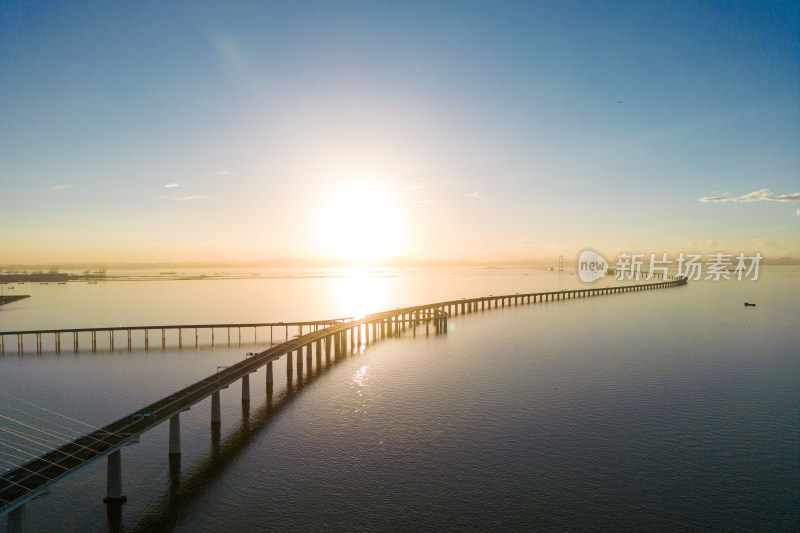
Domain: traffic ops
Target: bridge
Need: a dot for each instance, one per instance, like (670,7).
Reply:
(38,334)
(36,478)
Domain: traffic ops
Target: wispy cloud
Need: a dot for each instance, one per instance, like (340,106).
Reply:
(764,195)
(171,185)
(61,187)
(764,243)
(415,187)
(475,195)
(232,52)
(194,197)
(699,243)
(423,201)
(226,173)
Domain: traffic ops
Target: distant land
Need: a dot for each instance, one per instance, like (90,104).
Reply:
(288,262)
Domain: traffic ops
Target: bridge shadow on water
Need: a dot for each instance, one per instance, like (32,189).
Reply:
(185,490)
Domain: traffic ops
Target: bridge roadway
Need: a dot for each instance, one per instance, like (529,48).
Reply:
(146,329)
(36,477)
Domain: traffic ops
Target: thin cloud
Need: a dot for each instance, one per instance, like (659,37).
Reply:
(475,195)
(61,187)
(764,195)
(423,201)
(194,197)
(232,53)
(226,173)
(416,187)
(765,243)
(171,185)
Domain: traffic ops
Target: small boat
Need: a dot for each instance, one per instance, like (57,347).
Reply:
(746,304)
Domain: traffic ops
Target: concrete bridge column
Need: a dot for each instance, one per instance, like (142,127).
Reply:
(175,434)
(180,337)
(15,519)
(318,349)
(309,361)
(212,337)
(299,355)
(163,338)
(146,339)
(114,479)
(270,379)
(216,415)
(246,388)
(289,368)
(328,343)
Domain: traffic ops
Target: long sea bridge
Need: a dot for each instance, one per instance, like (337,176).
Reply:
(336,338)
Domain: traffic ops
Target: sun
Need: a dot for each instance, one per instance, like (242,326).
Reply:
(359,222)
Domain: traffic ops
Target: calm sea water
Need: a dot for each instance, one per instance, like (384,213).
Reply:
(673,409)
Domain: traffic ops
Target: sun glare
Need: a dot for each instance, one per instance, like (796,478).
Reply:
(359,223)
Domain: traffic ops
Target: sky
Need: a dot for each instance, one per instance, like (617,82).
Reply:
(479,131)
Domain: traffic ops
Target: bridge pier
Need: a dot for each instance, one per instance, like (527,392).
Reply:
(299,355)
(114,479)
(246,388)
(318,350)
(328,343)
(309,360)
(15,519)
(175,434)
(270,379)
(216,416)
(289,369)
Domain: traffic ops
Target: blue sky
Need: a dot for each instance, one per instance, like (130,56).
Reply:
(435,130)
